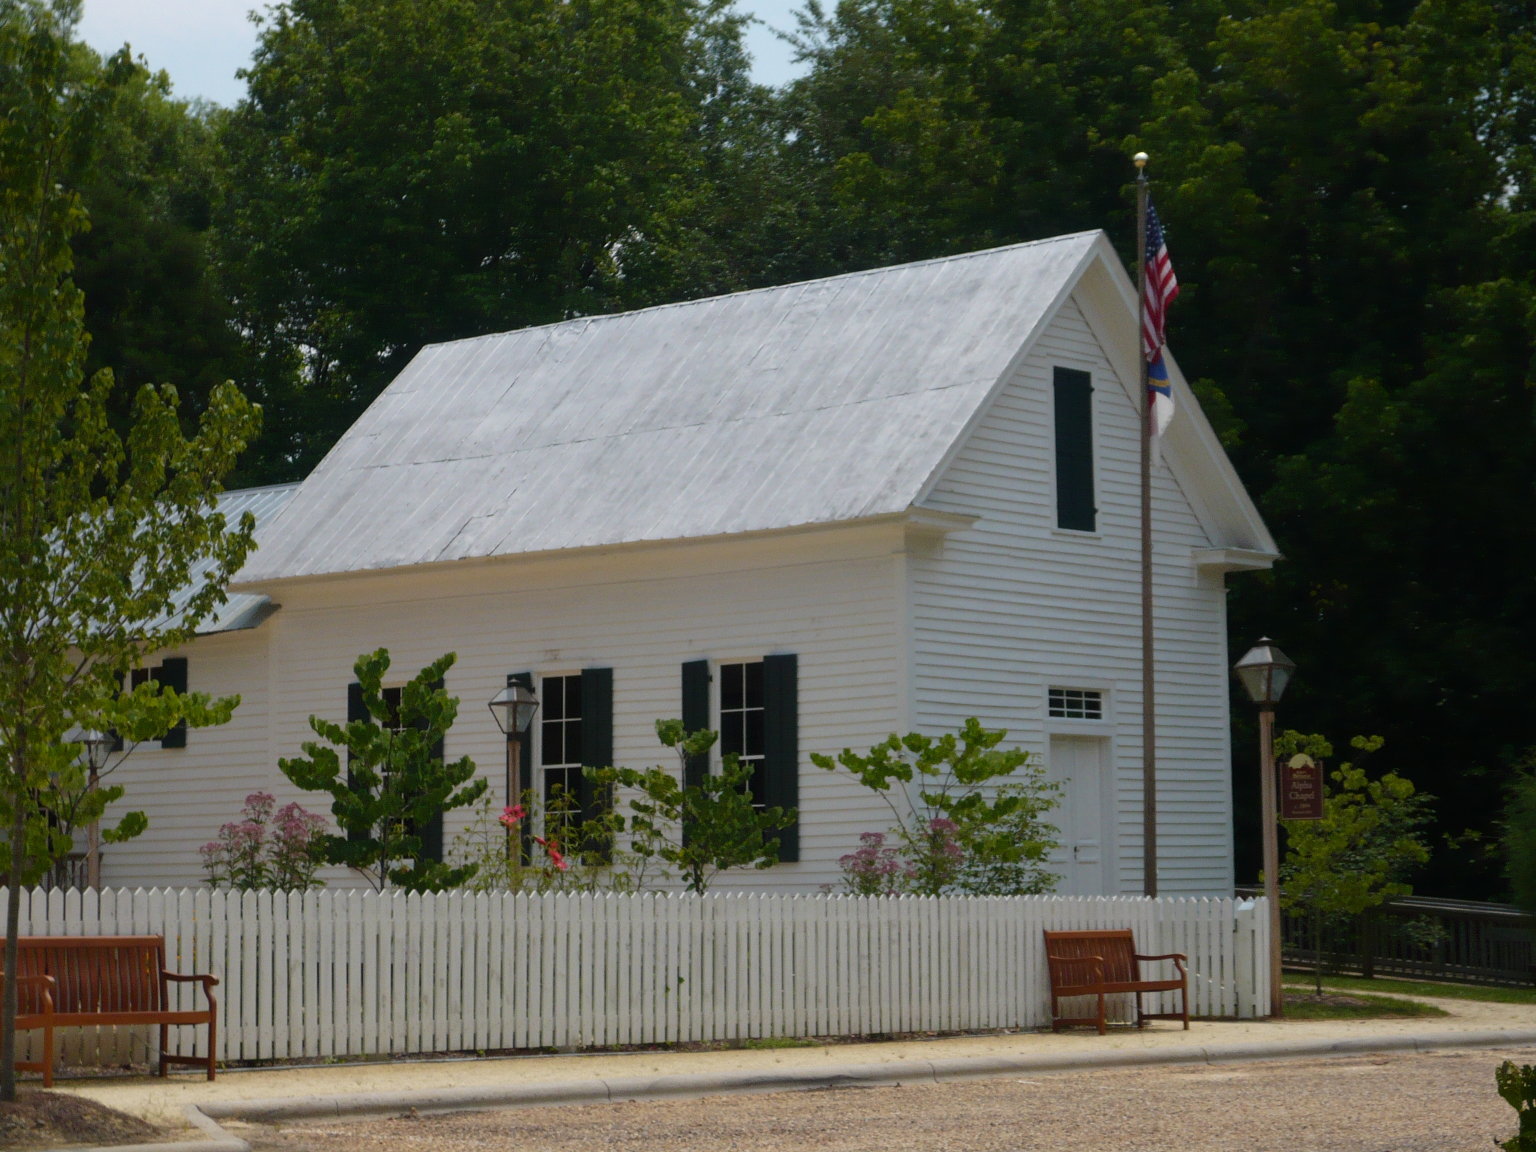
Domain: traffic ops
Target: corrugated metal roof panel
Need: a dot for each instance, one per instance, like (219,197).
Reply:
(805,404)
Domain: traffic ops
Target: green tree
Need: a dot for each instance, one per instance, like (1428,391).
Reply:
(1362,849)
(406,171)
(1347,193)
(154,305)
(110,547)
(974,826)
(1518,842)
(392,783)
(699,829)
(1517,1084)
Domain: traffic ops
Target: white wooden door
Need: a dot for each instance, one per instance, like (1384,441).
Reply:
(1077,764)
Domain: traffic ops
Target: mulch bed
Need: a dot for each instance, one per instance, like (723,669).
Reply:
(40,1119)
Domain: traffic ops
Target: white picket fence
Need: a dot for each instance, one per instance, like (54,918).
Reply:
(354,973)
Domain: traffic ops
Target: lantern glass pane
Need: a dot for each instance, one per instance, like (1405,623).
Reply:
(1255,678)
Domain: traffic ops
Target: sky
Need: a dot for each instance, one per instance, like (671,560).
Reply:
(202,43)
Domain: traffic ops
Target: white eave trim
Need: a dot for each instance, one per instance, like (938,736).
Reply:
(933,520)
(1234,559)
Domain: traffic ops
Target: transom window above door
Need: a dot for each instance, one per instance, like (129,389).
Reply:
(560,738)
(741,721)
(1076,703)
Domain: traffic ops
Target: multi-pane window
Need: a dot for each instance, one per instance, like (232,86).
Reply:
(561,741)
(741,721)
(1076,703)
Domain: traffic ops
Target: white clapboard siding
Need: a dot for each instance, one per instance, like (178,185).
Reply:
(1011,607)
(358,973)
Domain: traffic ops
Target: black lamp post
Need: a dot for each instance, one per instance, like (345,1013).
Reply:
(1265,671)
(514,708)
(98,746)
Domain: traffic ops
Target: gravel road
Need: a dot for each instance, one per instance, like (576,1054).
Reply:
(1441,1102)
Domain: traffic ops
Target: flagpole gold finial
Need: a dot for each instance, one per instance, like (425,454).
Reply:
(1140,159)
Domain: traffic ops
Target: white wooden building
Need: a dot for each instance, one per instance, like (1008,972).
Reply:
(883,501)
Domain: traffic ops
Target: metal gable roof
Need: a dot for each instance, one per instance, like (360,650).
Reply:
(806,404)
(242,609)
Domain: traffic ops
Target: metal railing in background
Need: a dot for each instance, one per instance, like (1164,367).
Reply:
(1460,941)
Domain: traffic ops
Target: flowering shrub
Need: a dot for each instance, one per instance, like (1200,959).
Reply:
(266,849)
(975,826)
(509,857)
(874,869)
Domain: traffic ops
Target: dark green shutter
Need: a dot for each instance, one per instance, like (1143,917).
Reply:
(520,764)
(431,832)
(172,673)
(695,714)
(781,745)
(1074,450)
(356,710)
(596,741)
(596,732)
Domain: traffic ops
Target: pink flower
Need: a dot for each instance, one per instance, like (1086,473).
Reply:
(512,815)
(557,860)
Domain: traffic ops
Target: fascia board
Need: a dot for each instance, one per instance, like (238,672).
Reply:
(1191,449)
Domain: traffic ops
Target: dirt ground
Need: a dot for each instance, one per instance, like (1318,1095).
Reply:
(41,1119)
(1441,1102)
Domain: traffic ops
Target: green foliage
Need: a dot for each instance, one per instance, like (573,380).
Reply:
(266,850)
(573,854)
(110,546)
(969,833)
(702,829)
(1517,1084)
(406,171)
(1519,839)
(1359,853)
(391,783)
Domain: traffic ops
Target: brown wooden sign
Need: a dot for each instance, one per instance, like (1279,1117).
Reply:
(1301,789)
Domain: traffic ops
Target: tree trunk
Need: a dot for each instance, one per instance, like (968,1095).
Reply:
(12,939)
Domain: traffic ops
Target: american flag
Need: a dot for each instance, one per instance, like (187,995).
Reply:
(1162,290)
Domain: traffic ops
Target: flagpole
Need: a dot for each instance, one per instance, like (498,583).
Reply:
(1148,683)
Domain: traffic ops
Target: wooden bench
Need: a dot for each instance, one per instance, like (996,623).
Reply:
(85,981)
(1102,963)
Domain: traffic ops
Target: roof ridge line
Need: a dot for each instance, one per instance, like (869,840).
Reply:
(596,316)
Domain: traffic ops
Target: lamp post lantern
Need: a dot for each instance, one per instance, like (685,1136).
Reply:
(1265,672)
(514,708)
(98,746)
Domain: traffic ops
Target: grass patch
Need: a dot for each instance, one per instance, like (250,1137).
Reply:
(1486,993)
(778,1042)
(1352,1006)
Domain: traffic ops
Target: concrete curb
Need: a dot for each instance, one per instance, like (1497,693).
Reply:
(360,1105)
(379,1105)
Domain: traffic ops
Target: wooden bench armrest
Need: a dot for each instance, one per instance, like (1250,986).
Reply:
(47,983)
(207,981)
(1178,958)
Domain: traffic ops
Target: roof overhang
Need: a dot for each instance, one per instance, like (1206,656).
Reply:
(928,525)
(1216,560)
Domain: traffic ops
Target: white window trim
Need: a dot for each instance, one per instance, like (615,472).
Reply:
(1066,726)
(716,683)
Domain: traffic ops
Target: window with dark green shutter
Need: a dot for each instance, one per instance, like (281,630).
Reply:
(560,741)
(172,673)
(781,745)
(760,725)
(1074,450)
(597,734)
